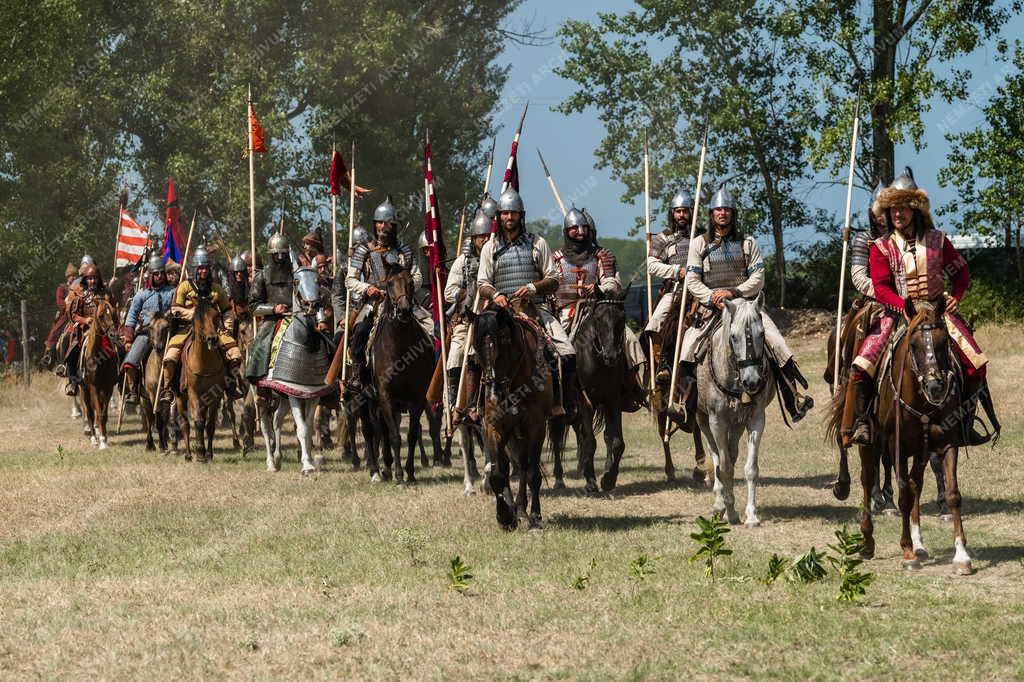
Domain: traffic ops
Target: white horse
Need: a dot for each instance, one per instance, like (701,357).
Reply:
(296,379)
(735,385)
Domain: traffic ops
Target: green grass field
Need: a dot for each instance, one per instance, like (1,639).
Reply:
(127,564)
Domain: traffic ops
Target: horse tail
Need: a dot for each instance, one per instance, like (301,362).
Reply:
(598,421)
(834,416)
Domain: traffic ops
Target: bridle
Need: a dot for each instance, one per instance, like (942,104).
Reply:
(752,358)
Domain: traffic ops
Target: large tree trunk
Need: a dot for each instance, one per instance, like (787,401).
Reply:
(883,71)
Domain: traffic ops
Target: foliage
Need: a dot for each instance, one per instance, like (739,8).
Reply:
(347,635)
(750,89)
(459,575)
(641,568)
(711,540)
(412,541)
(776,567)
(852,583)
(96,93)
(581,581)
(808,568)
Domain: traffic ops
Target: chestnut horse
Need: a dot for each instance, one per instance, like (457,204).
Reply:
(203,380)
(518,398)
(918,413)
(99,362)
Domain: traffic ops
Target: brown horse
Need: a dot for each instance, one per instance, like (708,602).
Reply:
(203,381)
(919,399)
(154,414)
(669,422)
(99,362)
(518,398)
(402,363)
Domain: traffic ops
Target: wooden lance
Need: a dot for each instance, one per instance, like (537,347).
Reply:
(846,243)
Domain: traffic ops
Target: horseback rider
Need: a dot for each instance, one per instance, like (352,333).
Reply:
(270,298)
(906,266)
(460,294)
(60,318)
(238,293)
(173,273)
(155,298)
(584,266)
(200,285)
(423,295)
(312,246)
(338,288)
(81,308)
(365,275)
(667,261)
(517,264)
(723,264)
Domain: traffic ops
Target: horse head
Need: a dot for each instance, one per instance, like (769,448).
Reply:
(103,319)
(159,331)
(398,285)
(492,338)
(741,320)
(931,359)
(605,327)
(206,322)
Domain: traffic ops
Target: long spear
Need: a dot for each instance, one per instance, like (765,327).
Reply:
(682,301)
(184,273)
(334,222)
(351,228)
(490,165)
(507,182)
(551,183)
(846,241)
(647,235)
(252,187)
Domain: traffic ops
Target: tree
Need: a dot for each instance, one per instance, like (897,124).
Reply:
(994,155)
(889,51)
(735,68)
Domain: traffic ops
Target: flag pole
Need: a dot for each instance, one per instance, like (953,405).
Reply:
(647,234)
(846,243)
(682,300)
(439,293)
(117,231)
(551,183)
(462,228)
(351,228)
(334,223)
(252,187)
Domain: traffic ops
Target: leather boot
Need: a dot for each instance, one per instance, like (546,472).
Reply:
(454,375)
(570,392)
(664,374)
(468,411)
(797,404)
(170,375)
(131,385)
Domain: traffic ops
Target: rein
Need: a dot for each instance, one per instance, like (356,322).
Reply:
(754,360)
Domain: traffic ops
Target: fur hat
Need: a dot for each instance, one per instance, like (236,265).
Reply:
(902,192)
(70,270)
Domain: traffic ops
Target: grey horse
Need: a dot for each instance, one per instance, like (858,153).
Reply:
(734,386)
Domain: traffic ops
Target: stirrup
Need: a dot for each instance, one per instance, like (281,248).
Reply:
(973,437)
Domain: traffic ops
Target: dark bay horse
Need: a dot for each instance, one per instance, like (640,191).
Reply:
(99,363)
(401,359)
(203,380)
(601,371)
(518,398)
(919,400)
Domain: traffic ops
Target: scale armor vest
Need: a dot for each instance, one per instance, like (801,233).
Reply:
(572,278)
(295,362)
(470,269)
(513,264)
(860,251)
(671,247)
(370,262)
(725,264)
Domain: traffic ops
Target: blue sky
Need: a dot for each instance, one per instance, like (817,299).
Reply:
(568,142)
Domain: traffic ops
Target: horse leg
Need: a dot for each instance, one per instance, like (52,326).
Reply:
(498,479)
(199,419)
(533,451)
(469,471)
(280,411)
(888,503)
(303,415)
(917,476)
(755,430)
(521,450)
(935,460)
(414,436)
(211,427)
(586,445)
(184,426)
(557,427)
(961,558)
(101,413)
(267,428)
(665,437)
(699,460)
(906,501)
(732,450)
(868,480)
(393,425)
(718,441)
(615,446)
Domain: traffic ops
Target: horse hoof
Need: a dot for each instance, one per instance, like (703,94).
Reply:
(94,440)
(536,525)
(308,472)
(386,475)
(559,484)
(375,477)
(469,490)
(699,475)
(670,474)
(103,445)
(963,568)
(867,553)
(591,489)
(732,517)
(752,522)
(271,468)
(150,447)
(945,517)
(890,511)
(921,553)
(911,565)
(608,483)
(505,514)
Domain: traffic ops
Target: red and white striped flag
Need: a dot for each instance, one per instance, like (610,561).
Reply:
(131,240)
